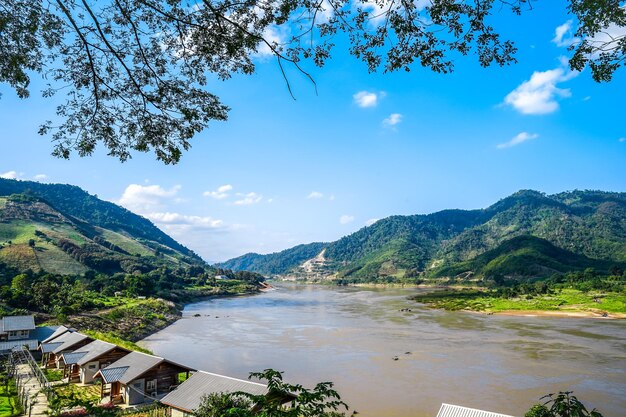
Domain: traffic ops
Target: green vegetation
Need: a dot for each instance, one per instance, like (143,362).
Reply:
(69,394)
(53,374)
(87,211)
(9,402)
(584,291)
(563,404)
(116,340)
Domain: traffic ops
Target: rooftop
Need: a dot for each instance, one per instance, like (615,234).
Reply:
(14,323)
(449,410)
(188,395)
(63,342)
(135,364)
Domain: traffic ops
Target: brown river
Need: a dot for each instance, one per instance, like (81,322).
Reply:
(351,336)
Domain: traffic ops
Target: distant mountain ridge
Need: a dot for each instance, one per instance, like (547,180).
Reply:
(62,229)
(591,224)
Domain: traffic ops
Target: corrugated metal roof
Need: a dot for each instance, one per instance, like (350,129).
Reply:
(13,323)
(95,349)
(449,410)
(113,374)
(42,333)
(68,340)
(188,395)
(49,347)
(136,363)
(71,358)
(31,343)
(58,332)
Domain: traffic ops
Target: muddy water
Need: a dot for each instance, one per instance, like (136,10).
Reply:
(351,335)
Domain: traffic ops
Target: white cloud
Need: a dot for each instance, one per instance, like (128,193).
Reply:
(392,120)
(168,218)
(622,139)
(10,175)
(607,39)
(276,36)
(366,99)
(146,198)
(371,222)
(345,219)
(518,139)
(220,193)
(40,177)
(539,94)
(315,195)
(564,35)
(248,199)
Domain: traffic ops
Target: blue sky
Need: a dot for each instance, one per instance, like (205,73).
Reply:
(282,172)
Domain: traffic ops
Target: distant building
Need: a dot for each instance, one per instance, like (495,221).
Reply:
(221,277)
(449,410)
(17,331)
(16,327)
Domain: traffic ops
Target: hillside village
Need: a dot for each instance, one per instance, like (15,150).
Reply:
(55,360)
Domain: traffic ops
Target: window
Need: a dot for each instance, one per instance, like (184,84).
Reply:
(93,366)
(151,385)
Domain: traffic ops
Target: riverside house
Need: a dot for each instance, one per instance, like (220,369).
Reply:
(83,363)
(185,399)
(51,352)
(139,378)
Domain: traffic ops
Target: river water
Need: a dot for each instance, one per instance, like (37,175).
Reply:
(351,336)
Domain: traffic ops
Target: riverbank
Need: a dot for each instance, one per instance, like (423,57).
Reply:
(562,303)
(133,319)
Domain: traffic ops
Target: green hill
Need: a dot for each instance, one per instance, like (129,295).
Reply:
(591,224)
(524,256)
(41,230)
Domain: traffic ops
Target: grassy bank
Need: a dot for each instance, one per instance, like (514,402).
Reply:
(564,300)
(9,403)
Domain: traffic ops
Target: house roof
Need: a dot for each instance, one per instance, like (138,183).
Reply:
(71,358)
(13,323)
(189,394)
(58,332)
(49,347)
(136,364)
(96,349)
(42,333)
(448,410)
(64,342)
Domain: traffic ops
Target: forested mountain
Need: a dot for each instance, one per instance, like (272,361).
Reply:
(62,229)
(587,225)
(75,202)
(274,263)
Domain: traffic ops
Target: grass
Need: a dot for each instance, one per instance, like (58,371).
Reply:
(129,245)
(111,338)
(53,374)
(90,393)
(564,300)
(9,403)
